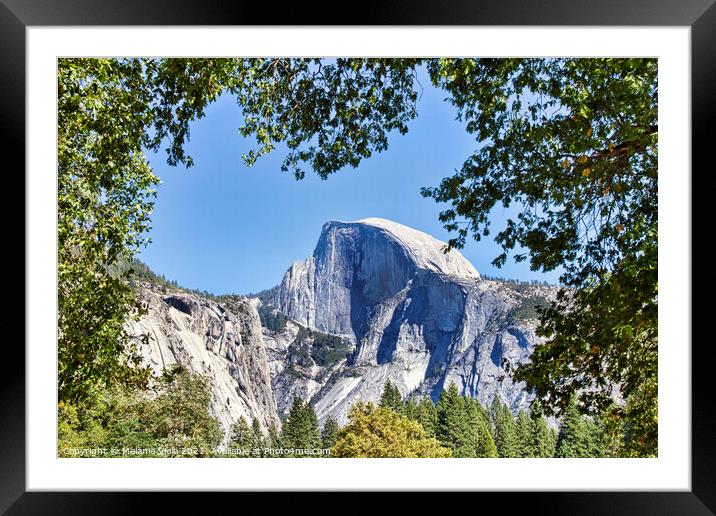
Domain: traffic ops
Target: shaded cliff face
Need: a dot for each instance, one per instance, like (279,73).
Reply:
(222,342)
(414,314)
(358,265)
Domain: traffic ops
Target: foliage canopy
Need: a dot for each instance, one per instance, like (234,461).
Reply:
(377,432)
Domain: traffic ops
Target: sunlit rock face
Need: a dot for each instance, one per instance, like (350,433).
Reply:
(222,342)
(414,314)
(375,301)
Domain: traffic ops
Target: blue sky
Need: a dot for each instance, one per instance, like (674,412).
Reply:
(227,228)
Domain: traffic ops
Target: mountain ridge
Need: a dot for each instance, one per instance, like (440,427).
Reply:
(415,320)
(375,301)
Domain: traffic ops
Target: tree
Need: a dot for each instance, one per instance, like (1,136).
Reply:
(453,427)
(596,437)
(293,428)
(173,415)
(544,440)
(574,437)
(484,443)
(301,430)
(180,413)
(314,431)
(241,437)
(608,435)
(271,318)
(391,397)
(108,112)
(523,430)
(504,430)
(328,114)
(258,440)
(378,432)
(410,409)
(77,430)
(110,419)
(639,423)
(461,425)
(274,438)
(329,432)
(427,415)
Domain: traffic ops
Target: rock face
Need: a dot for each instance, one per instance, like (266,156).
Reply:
(375,301)
(222,342)
(412,313)
(357,265)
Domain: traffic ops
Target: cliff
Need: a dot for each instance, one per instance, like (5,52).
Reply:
(222,342)
(413,313)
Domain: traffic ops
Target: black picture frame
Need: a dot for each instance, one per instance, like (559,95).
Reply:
(700,15)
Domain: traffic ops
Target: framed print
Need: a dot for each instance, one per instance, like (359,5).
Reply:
(429,251)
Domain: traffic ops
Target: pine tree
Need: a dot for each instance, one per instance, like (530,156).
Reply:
(525,444)
(274,439)
(483,411)
(292,431)
(329,432)
(485,444)
(553,435)
(301,428)
(181,412)
(410,409)
(258,442)
(454,428)
(503,429)
(241,437)
(427,415)
(543,438)
(595,437)
(313,433)
(391,397)
(605,436)
(573,439)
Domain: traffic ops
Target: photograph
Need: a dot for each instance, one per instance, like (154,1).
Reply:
(357,257)
(413,250)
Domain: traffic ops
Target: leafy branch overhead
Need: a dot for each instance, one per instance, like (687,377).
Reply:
(328,114)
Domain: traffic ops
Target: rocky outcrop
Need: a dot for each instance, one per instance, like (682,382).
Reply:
(222,342)
(374,301)
(357,265)
(302,361)
(414,314)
